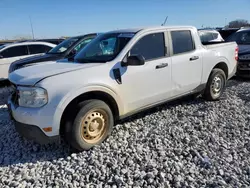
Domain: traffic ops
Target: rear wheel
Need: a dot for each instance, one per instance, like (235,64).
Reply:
(215,85)
(92,125)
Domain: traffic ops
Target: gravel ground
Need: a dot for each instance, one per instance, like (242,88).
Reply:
(189,143)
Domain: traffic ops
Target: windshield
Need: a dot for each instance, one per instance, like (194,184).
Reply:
(242,37)
(2,46)
(104,48)
(63,46)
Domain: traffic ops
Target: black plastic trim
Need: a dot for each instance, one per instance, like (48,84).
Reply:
(32,132)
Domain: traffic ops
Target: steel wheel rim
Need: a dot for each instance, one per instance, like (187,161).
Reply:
(217,85)
(94,125)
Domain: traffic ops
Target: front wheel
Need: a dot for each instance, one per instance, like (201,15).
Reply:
(215,85)
(92,125)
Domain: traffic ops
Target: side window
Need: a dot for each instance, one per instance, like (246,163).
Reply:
(210,36)
(182,41)
(82,44)
(215,35)
(38,48)
(15,51)
(151,46)
(47,48)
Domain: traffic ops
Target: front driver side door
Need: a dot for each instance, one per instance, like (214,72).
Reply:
(150,83)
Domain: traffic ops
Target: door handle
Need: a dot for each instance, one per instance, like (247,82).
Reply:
(161,65)
(193,58)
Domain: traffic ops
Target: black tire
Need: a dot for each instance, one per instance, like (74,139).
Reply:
(209,93)
(76,133)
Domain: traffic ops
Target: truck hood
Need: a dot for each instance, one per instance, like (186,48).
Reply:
(33,74)
(37,58)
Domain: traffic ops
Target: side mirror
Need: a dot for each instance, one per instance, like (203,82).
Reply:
(135,60)
(1,57)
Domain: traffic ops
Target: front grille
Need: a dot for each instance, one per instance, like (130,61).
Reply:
(244,64)
(243,72)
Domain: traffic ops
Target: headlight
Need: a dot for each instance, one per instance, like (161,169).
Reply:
(244,57)
(32,97)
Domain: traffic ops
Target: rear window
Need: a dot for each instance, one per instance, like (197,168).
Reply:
(38,48)
(215,35)
(206,36)
(15,51)
(182,41)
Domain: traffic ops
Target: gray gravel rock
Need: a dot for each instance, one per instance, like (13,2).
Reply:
(187,143)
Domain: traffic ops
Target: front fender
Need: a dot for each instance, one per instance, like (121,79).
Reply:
(75,93)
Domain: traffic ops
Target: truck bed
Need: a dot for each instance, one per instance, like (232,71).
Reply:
(210,45)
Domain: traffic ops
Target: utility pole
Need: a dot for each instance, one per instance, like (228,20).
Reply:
(31,28)
(164,21)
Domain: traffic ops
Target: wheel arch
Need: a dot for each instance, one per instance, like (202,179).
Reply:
(223,66)
(71,107)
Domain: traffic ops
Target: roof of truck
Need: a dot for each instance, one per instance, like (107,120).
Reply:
(135,30)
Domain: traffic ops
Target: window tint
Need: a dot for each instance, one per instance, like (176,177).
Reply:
(37,48)
(15,51)
(206,37)
(150,47)
(215,35)
(82,44)
(182,41)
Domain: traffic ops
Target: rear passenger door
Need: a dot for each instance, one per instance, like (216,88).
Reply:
(10,55)
(186,62)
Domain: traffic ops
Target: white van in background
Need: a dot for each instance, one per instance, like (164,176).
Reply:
(15,51)
(210,36)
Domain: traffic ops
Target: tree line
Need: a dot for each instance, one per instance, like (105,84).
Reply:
(238,23)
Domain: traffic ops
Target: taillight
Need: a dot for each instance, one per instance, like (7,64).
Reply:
(236,53)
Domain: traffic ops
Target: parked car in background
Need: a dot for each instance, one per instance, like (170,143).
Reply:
(242,38)
(210,36)
(16,51)
(67,48)
(53,41)
(226,32)
(118,74)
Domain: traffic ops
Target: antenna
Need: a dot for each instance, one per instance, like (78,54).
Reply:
(164,21)
(31,28)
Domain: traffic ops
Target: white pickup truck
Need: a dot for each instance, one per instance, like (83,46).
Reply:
(116,75)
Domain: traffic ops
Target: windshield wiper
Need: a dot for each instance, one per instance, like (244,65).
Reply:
(88,61)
